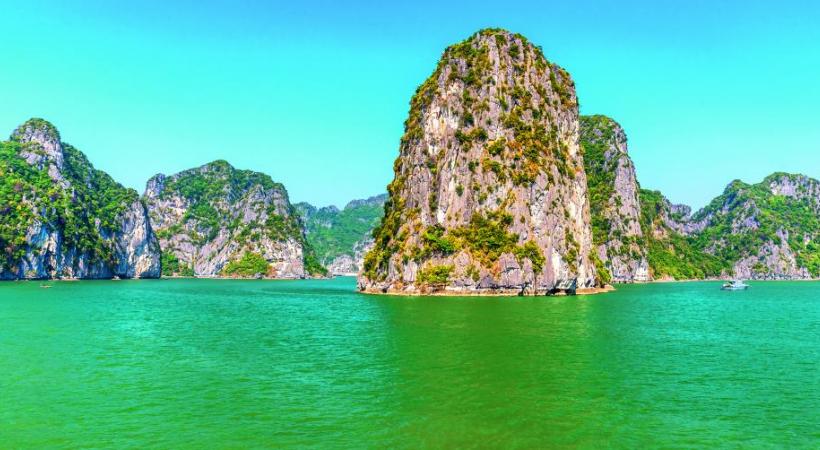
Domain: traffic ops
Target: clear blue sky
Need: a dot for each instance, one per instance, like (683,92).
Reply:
(315,93)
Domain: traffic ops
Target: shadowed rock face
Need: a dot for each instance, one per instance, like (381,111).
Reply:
(211,216)
(74,221)
(614,200)
(489,192)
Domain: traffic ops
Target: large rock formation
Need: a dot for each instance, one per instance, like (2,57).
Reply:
(614,201)
(61,218)
(769,230)
(215,220)
(342,237)
(764,231)
(489,194)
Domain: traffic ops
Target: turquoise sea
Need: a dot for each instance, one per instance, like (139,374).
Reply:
(285,364)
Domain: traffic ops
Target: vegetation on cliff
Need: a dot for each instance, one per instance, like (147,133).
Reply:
(749,220)
(228,214)
(251,264)
(333,232)
(489,134)
(614,201)
(672,254)
(84,205)
(596,133)
(171,266)
(764,230)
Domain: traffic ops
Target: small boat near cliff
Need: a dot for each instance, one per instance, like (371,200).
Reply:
(734,285)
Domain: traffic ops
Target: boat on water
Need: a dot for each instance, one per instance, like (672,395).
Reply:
(734,285)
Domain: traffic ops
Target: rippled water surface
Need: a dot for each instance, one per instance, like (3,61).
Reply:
(214,364)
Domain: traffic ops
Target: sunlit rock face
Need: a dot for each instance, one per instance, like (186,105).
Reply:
(490,192)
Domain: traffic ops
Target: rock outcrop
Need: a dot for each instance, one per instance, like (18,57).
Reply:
(216,220)
(342,237)
(61,218)
(614,201)
(489,194)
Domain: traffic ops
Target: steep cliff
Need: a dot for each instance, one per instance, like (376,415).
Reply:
(216,220)
(489,194)
(342,237)
(61,218)
(614,201)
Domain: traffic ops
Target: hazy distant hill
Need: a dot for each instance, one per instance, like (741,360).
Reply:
(340,237)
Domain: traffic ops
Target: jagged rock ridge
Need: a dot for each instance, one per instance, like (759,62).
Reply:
(61,218)
(489,194)
(763,231)
(216,220)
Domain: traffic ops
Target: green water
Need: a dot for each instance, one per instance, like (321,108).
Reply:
(215,364)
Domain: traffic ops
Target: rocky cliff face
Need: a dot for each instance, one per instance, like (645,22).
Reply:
(342,237)
(216,220)
(489,194)
(61,218)
(614,201)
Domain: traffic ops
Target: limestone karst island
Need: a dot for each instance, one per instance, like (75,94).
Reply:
(350,226)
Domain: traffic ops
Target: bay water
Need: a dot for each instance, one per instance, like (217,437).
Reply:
(191,363)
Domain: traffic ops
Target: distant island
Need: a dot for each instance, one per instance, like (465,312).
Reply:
(500,187)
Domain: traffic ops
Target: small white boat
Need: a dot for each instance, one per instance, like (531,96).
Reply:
(735,285)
